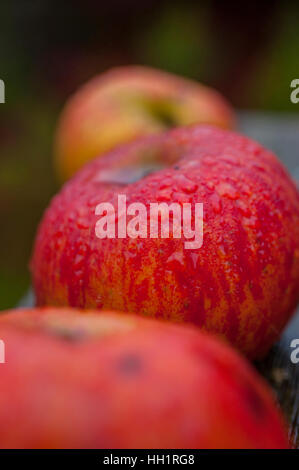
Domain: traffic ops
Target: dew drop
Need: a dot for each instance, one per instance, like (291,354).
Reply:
(216,203)
(176,257)
(164,195)
(226,190)
(194,257)
(243,208)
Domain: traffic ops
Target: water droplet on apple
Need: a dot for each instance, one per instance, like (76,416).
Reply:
(222,249)
(243,208)
(194,257)
(216,203)
(227,190)
(250,221)
(176,258)
(164,195)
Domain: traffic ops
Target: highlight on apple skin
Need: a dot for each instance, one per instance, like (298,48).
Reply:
(74,380)
(128,102)
(243,283)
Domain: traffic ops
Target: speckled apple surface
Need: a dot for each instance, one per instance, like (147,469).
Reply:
(74,380)
(243,283)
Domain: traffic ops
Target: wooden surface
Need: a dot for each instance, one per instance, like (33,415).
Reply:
(280,133)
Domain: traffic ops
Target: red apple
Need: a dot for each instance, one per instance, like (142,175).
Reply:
(128,102)
(243,283)
(74,380)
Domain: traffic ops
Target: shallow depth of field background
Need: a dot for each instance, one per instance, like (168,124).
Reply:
(49,47)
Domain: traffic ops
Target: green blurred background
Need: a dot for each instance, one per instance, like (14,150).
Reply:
(48,48)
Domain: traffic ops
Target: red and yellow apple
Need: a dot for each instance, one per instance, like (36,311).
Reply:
(126,103)
(74,380)
(243,283)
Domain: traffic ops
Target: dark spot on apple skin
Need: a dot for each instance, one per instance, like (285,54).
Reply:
(130,365)
(176,167)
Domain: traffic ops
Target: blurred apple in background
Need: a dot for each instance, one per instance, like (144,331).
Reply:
(128,102)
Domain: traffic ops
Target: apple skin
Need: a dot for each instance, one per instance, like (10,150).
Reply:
(242,284)
(128,102)
(74,380)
